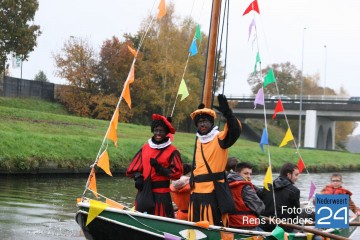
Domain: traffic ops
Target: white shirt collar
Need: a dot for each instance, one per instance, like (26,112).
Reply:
(208,137)
(159,146)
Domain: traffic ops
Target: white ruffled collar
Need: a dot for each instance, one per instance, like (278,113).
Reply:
(159,146)
(208,137)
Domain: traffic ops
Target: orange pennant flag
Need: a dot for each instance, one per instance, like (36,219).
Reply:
(288,137)
(133,51)
(95,209)
(104,162)
(202,224)
(114,204)
(92,182)
(112,133)
(126,94)
(162,9)
(278,108)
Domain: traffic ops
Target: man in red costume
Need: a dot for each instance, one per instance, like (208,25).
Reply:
(211,146)
(248,205)
(160,158)
(335,188)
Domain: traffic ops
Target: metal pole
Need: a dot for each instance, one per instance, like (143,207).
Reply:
(301,88)
(325,70)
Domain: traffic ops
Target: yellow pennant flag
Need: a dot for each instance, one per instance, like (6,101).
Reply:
(130,79)
(162,9)
(133,51)
(268,178)
(112,133)
(288,137)
(114,204)
(92,182)
(104,162)
(183,90)
(95,209)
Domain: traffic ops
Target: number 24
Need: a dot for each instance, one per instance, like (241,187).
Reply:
(345,217)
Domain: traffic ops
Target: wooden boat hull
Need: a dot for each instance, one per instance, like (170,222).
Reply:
(112,223)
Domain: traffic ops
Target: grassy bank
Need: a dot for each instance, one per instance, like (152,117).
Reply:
(38,136)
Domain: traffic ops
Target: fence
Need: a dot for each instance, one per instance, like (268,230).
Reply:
(16,87)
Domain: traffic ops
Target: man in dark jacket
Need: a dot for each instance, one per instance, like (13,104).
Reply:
(287,197)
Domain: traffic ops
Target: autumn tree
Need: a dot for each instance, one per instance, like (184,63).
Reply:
(18,33)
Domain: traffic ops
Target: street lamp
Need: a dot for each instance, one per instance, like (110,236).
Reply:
(325,70)
(301,87)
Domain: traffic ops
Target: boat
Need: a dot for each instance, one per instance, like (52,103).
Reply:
(106,219)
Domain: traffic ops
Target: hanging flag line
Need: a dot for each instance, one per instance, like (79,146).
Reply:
(111,132)
(259,99)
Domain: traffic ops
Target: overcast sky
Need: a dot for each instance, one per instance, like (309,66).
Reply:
(280,30)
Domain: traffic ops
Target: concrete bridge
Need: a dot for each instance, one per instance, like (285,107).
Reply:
(319,113)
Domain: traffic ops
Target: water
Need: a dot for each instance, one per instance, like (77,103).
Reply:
(44,207)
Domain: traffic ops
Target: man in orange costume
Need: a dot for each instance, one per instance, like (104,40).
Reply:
(211,146)
(335,188)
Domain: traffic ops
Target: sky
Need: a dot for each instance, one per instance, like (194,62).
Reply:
(296,31)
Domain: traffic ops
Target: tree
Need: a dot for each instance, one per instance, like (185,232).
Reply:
(18,34)
(41,76)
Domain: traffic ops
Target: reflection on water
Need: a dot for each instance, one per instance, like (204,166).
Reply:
(44,207)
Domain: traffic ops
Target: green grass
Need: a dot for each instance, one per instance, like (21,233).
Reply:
(35,134)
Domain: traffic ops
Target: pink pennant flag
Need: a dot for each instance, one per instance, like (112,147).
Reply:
(312,190)
(252,24)
(259,99)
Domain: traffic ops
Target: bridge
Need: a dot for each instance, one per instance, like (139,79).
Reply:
(318,112)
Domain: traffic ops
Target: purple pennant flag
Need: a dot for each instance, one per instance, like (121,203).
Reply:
(168,236)
(312,190)
(259,99)
(252,24)
(264,139)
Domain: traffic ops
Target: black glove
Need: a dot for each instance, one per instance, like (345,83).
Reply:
(155,164)
(223,106)
(139,181)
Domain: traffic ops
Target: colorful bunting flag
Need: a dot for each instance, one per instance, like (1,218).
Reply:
(253,6)
(133,51)
(129,80)
(92,182)
(168,236)
(103,162)
(259,99)
(95,209)
(278,108)
(278,233)
(114,204)
(268,178)
(300,165)
(288,137)
(252,24)
(183,90)
(226,235)
(162,9)
(269,78)
(312,190)
(202,224)
(198,33)
(112,133)
(264,139)
(193,48)
(257,61)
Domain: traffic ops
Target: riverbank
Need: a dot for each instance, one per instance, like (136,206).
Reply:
(38,137)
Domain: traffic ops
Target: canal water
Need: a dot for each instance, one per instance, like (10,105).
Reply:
(41,208)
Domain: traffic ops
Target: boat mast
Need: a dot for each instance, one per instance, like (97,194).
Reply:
(210,62)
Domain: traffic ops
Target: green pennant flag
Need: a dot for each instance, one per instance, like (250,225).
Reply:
(183,90)
(291,236)
(269,78)
(198,33)
(257,61)
(278,233)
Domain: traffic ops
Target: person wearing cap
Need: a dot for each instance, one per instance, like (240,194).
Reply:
(211,146)
(160,158)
